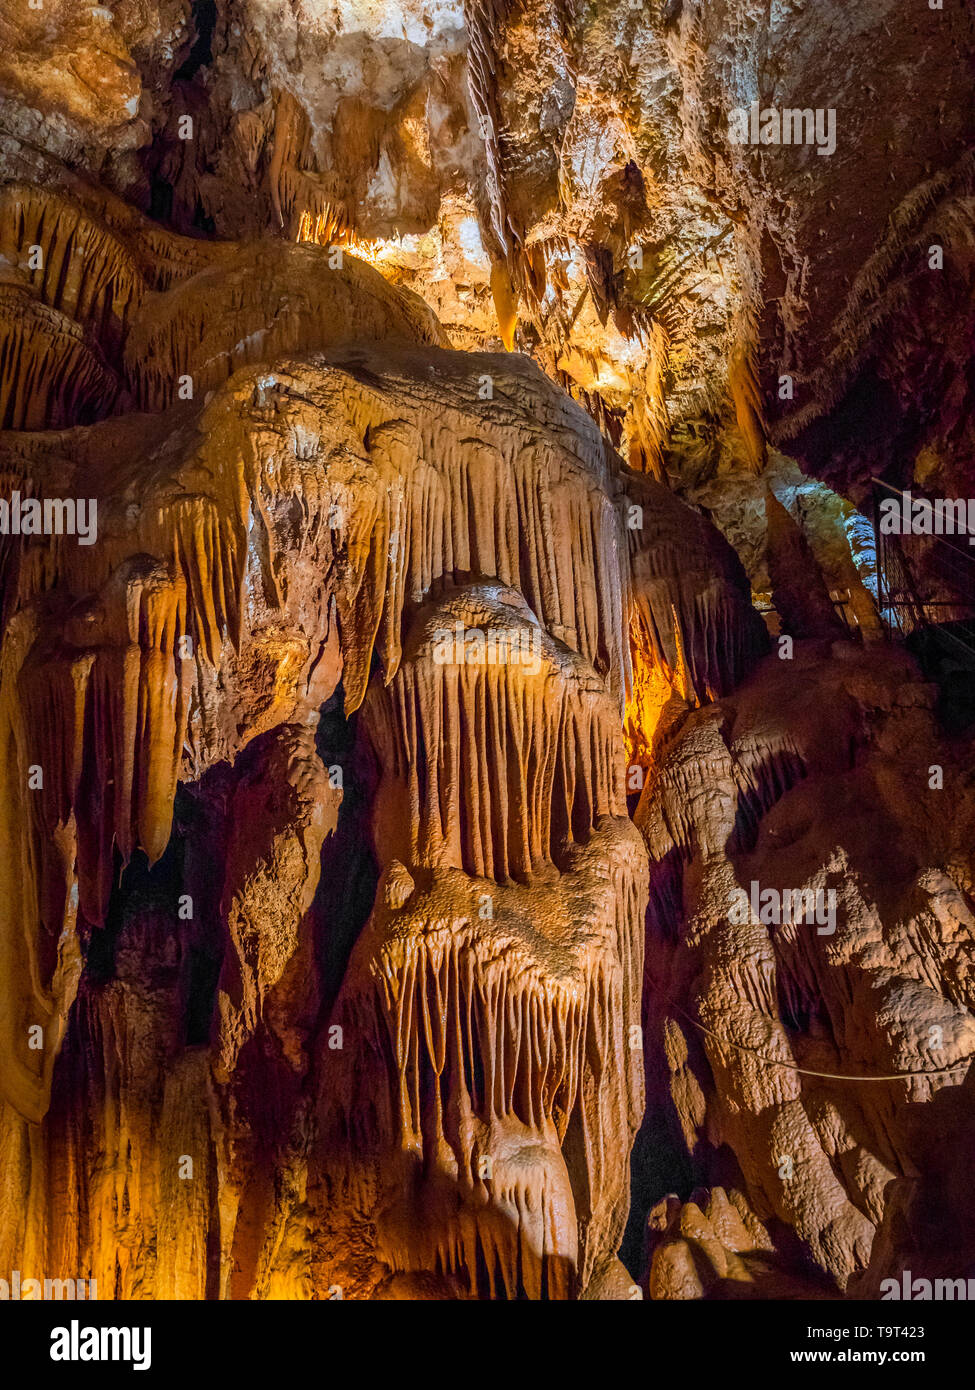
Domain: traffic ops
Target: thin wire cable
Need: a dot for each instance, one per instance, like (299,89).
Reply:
(825,1075)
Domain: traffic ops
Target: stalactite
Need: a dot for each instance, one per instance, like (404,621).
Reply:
(51,373)
(505,508)
(516,272)
(41,960)
(84,268)
(286,115)
(484,19)
(498,1036)
(746,393)
(505,303)
(691,604)
(269,299)
(650,419)
(116,688)
(535,710)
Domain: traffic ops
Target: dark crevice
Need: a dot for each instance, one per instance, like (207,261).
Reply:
(347,889)
(201,53)
(203,221)
(160,199)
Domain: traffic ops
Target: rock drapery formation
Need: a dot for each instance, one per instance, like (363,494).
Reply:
(352,517)
(426,689)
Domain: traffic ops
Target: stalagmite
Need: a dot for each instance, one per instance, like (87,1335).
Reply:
(805,609)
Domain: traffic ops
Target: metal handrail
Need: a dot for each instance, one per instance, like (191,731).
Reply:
(898,590)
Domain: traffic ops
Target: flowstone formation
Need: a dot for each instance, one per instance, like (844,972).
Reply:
(357,526)
(470,825)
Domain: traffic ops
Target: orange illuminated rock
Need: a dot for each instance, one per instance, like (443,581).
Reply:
(491,1132)
(352,523)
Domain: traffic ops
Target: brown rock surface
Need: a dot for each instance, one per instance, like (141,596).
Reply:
(815,775)
(283,532)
